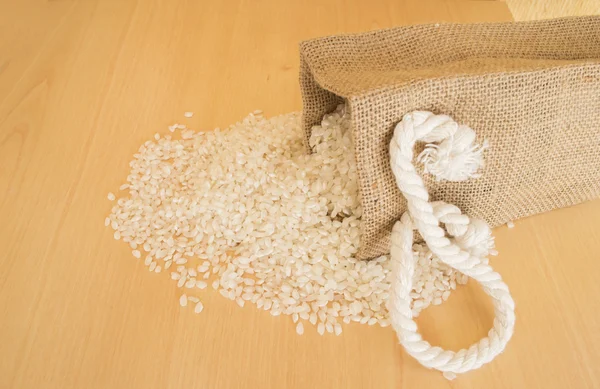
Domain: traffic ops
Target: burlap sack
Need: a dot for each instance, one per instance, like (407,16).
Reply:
(531,89)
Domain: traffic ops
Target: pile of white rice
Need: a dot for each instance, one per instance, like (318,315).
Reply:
(247,211)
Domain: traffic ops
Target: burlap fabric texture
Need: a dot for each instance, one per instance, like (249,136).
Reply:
(532,89)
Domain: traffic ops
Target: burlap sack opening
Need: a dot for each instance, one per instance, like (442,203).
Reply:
(532,89)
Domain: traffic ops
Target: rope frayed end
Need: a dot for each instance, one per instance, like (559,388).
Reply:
(456,158)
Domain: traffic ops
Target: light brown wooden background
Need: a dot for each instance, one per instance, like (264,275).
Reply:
(83,83)
(544,9)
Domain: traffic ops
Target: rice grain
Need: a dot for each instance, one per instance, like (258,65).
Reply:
(183,300)
(248,211)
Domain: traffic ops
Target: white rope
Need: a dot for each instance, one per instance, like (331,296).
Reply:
(465,249)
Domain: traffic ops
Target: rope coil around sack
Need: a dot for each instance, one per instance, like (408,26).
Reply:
(465,248)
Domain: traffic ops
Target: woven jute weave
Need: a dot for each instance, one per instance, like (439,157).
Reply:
(532,89)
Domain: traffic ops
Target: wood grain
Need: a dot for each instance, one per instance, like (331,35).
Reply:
(546,9)
(84,83)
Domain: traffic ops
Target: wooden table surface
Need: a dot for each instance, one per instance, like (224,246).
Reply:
(83,83)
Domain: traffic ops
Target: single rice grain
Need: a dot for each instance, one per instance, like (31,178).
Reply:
(183,300)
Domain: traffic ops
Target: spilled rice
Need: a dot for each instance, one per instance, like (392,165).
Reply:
(248,212)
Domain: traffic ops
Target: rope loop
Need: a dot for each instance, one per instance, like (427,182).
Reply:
(464,245)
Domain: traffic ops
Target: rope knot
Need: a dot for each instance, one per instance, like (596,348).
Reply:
(477,239)
(472,235)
